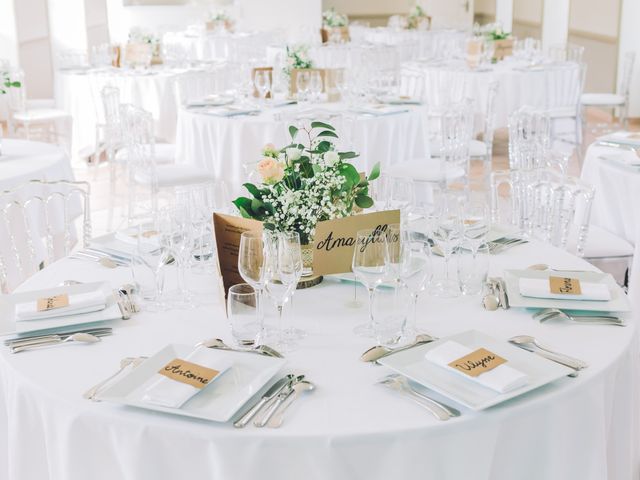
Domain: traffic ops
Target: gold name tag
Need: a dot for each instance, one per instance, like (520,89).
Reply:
(190,373)
(49,303)
(477,362)
(565,285)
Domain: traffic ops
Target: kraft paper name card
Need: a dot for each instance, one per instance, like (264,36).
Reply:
(563,285)
(477,362)
(50,303)
(227,230)
(335,240)
(190,373)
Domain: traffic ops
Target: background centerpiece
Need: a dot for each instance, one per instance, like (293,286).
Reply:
(306,182)
(335,27)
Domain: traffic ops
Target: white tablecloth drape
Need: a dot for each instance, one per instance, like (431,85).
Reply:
(230,147)
(80,95)
(582,428)
(519,85)
(616,205)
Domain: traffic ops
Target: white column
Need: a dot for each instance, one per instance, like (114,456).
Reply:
(629,40)
(504,14)
(67,26)
(8,33)
(555,22)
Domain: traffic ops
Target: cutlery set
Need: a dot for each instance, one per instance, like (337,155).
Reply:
(557,314)
(89,335)
(501,244)
(270,408)
(496,296)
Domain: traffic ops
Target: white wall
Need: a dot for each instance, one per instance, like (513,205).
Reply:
(630,41)
(8,33)
(280,15)
(97,22)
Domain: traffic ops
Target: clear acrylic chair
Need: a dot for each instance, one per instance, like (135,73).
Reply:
(411,84)
(566,52)
(616,101)
(529,138)
(50,125)
(483,149)
(37,225)
(563,89)
(145,175)
(543,204)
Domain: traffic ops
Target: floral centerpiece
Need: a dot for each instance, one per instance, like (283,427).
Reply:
(418,19)
(331,18)
(297,58)
(220,21)
(140,43)
(502,41)
(335,27)
(303,184)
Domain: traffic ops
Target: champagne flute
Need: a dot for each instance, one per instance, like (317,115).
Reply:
(252,267)
(447,235)
(291,241)
(369,264)
(476,225)
(315,86)
(302,84)
(176,235)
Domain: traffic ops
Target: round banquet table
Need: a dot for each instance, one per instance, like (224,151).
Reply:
(349,428)
(520,84)
(229,147)
(79,93)
(615,205)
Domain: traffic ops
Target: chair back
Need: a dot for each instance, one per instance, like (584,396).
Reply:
(529,138)
(543,204)
(490,116)
(563,87)
(627,71)
(411,84)
(456,131)
(566,52)
(37,222)
(112,123)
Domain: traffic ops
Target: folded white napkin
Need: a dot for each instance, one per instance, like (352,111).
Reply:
(502,379)
(539,288)
(78,303)
(173,394)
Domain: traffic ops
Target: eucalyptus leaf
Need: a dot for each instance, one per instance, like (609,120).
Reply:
(293,131)
(322,125)
(364,201)
(375,172)
(347,155)
(253,190)
(328,133)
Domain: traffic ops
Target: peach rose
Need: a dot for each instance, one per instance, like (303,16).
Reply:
(270,170)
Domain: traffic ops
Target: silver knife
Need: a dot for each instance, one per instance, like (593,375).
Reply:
(273,391)
(280,399)
(28,338)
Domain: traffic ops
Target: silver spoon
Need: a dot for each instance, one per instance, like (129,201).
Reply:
(297,390)
(530,343)
(405,383)
(377,352)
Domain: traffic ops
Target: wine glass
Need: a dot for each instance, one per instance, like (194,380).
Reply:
(476,225)
(262,82)
(339,81)
(415,275)
(315,86)
(148,265)
(303,79)
(369,265)
(397,243)
(283,271)
(176,235)
(252,266)
(447,235)
(400,195)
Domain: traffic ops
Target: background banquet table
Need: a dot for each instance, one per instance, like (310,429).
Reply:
(216,46)
(615,205)
(230,147)
(349,428)
(79,93)
(520,84)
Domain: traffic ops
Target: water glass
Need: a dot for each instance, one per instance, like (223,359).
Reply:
(303,79)
(315,86)
(390,310)
(242,314)
(476,224)
(473,269)
(147,265)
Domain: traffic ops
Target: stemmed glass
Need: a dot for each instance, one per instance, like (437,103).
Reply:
(315,86)
(283,271)
(303,79)
(262,82)
(415,275)
(447,235)
(476,225)
(148,266)
(252,259)
(370,265)
(176,235)
(400,195)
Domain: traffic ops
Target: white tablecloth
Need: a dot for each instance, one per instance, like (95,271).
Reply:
(519,84)
(225,145)
(616,205)
(580,428)
(80,95)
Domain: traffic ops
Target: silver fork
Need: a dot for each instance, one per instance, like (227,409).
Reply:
(554,313)
(124,363)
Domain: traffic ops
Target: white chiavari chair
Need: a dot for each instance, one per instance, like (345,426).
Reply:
(37,223)
(617,101)
(529,138)
(566,52)
(563,88)
(483,149)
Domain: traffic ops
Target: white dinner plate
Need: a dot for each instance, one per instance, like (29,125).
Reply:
(247,376)
(8,324)
(413,364)
(618,303)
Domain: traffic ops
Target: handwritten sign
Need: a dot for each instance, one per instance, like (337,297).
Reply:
(190,373)
(49,303)
(227,230)
(477,362)
(564,285)
(335,240)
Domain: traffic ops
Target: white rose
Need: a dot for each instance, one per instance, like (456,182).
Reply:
(293,154)
(331,158)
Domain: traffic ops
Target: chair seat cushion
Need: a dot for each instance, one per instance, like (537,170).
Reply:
(425,170)
(603,244)
(36,115)
(165,153)
(601,99)
(175,175)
